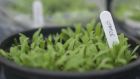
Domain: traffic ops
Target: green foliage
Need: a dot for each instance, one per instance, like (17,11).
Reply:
(82,49)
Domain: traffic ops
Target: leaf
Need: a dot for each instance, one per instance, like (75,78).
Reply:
(82,49)
(89,28)
(3,53)
(104,64)
(121,53)
(85,38)
(78,28)
(24,43)
(135,49)
(36,34)
(98,30)
(121,61)
(74,62)
(91,50)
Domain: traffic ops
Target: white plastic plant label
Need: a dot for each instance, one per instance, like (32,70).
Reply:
(38,14)
(109,28)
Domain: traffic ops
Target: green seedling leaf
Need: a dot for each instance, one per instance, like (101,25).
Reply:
(81,50)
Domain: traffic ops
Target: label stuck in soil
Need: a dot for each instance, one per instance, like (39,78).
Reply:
(109,28)
(38,13)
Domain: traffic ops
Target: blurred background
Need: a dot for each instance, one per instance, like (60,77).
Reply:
(17,15)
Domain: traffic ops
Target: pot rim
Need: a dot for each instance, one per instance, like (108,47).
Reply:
(92,73)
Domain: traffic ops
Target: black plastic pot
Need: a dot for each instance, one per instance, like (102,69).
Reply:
(15,71)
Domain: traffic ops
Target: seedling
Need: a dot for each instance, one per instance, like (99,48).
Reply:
(80,50)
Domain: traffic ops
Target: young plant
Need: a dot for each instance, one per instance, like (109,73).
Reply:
(82,49)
